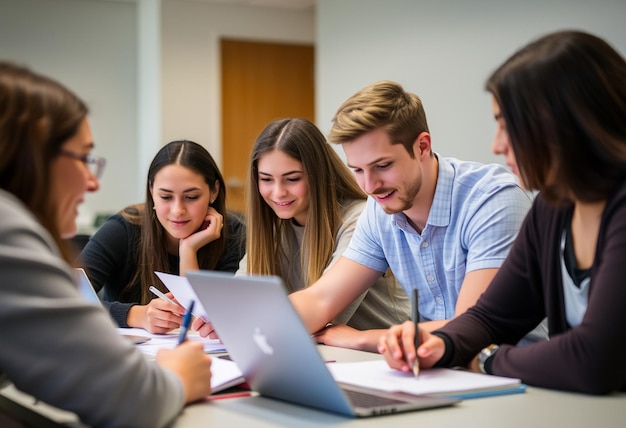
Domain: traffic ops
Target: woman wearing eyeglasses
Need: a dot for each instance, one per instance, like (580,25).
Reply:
(182,225)
(55,345)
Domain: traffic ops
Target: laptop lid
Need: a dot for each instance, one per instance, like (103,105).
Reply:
(277,356)
(85,287)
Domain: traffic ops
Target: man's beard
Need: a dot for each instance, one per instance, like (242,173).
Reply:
(406,201)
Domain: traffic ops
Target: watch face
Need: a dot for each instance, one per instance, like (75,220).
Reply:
(484,355)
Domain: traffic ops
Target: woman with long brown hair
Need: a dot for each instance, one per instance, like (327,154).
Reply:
(303,205)
(182,225)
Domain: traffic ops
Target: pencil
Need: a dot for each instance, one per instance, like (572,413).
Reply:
(416,318)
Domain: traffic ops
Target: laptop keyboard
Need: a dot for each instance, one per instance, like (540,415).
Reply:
(363,399)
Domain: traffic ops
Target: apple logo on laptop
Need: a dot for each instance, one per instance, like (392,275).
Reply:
(261,341)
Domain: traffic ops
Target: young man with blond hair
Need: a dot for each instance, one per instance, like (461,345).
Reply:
(442,225)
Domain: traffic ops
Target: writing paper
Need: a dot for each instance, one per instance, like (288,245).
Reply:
(447,382)
(182,291)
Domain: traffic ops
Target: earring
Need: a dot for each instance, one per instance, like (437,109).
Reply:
(153,208)
(212,200)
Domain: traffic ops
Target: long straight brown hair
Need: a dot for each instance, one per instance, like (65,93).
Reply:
(153,255)
(331,185)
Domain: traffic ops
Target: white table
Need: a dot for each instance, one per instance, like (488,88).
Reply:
(535,408)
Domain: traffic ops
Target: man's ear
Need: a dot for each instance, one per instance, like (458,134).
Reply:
(422,147)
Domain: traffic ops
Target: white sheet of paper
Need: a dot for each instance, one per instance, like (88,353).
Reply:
(224,373)
(378,375)
(182,291)
(170,341)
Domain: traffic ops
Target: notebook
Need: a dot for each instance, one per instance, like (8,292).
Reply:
(278,357)
(449,382)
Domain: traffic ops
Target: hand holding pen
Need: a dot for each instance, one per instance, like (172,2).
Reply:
(415,317)
(189,361)
(159,316)
(184,328)
(161,295)
(401,345)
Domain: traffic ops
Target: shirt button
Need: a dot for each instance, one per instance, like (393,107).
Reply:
(431,278)
(425,244)
(438,299)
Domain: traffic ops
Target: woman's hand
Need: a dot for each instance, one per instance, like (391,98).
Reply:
(398,347)
(158,316)
(205,329)
(192,366)
(214,223)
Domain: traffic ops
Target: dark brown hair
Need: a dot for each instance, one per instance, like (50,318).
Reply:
(152,247)
(563,99)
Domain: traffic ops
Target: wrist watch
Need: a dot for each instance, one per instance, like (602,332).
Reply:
(484,355)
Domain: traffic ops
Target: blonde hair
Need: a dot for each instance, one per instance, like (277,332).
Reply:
(385,105)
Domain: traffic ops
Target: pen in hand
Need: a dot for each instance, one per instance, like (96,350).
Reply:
(186,324)
(158,293)
(415,314)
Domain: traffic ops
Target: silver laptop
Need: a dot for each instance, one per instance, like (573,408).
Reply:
(278,357)
(85,287)
(89,293)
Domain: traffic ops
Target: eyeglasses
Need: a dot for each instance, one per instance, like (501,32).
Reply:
(94,163)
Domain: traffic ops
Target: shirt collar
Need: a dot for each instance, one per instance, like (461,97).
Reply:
(440,210)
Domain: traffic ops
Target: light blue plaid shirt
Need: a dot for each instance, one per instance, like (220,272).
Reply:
(474,219)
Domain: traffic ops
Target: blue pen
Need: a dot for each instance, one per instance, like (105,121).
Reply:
(186,324)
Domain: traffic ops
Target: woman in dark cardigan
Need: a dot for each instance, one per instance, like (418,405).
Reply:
(560,105)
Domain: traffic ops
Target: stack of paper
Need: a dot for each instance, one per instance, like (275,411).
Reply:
(170,340)
(446,382)
(224,373)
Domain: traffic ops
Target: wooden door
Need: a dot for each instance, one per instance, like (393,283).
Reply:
(261,82)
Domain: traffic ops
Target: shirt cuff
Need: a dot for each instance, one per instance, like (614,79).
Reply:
(446,359)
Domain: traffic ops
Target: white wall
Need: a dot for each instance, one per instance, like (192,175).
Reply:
(191,33)
(149,112)
(149,69)
(90,46)
(443,50)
